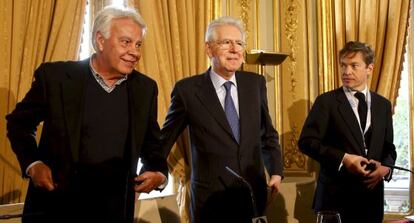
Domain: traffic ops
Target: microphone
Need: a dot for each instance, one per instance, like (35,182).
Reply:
(256,218)
(11,216)
(397,167)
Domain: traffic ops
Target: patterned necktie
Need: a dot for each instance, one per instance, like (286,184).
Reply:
(231,112)
(362,109)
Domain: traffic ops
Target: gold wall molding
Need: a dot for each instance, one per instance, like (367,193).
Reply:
(244,15)
(291,26)
(293,158)
(292,153)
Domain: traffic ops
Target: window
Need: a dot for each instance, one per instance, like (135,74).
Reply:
(397,191)
(86,51)
(398,196)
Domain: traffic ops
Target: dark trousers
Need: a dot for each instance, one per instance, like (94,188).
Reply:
(93,195)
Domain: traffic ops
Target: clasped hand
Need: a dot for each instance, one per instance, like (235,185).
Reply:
(372,170)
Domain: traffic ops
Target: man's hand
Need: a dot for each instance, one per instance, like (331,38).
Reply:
(41,176)
(376,175)
(148,181)
(274,185)
(356,164)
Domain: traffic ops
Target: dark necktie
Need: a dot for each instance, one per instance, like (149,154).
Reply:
(362,109)
(231,112)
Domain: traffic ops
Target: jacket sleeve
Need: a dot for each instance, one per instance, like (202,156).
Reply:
(175,121)
(151,155)
(22,123)
(314,131)
(272,153)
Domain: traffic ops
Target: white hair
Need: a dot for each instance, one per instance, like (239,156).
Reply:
(102,22)
(222,21)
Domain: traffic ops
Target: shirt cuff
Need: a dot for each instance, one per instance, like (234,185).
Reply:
(30,166)
(388,177)
(163,185)
(341,164)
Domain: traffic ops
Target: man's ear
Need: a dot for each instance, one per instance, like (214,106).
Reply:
(100,39)
(370,69)
(209,50)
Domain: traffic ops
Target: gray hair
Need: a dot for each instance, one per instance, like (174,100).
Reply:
(222,21)
(102,22)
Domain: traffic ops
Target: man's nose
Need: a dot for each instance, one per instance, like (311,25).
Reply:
(134,51)
(347,70)
(232,46)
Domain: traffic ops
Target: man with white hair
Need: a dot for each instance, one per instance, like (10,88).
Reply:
(231,132)
(99,116)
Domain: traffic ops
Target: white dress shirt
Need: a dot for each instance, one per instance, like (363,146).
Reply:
(218,83)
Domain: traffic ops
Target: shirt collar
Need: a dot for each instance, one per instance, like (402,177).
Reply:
(218,80)
(101,81)
(365,91)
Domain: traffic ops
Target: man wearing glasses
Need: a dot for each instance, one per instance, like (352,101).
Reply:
(231,132)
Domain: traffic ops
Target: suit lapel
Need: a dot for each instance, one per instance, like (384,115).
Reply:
(377,117)
(349,118)
(73,100)
(208,97)
(243,89)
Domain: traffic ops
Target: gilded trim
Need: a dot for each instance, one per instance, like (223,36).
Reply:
(291,27)
(244,14)
(292,154)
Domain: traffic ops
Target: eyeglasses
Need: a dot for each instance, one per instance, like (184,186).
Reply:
(225,44)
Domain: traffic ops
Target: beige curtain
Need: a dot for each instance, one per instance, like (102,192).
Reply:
(173,49)
(382,24)
(32,32)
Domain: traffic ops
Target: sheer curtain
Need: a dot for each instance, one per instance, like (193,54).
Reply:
(32,32)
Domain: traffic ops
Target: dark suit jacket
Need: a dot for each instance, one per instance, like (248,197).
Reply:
(57,98)
(330,130)
(194,103)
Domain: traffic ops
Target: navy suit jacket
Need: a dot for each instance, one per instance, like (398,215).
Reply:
(331,130)
(194,104)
